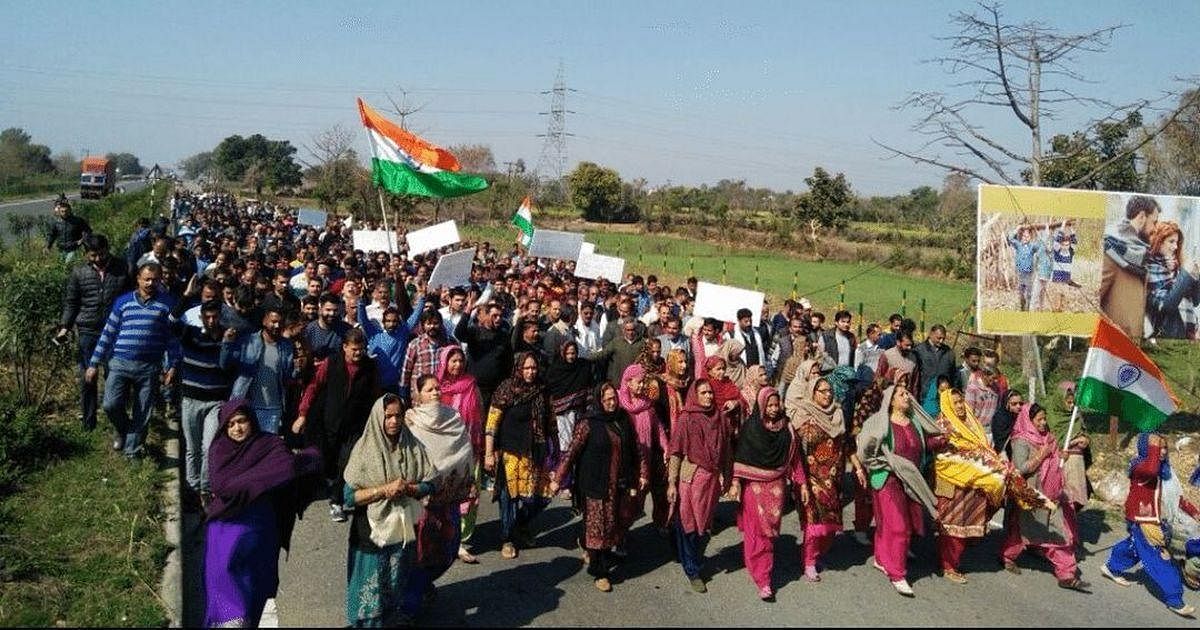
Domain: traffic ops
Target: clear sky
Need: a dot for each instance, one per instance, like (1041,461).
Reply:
(681,92)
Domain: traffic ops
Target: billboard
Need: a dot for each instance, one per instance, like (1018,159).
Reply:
(1051,260)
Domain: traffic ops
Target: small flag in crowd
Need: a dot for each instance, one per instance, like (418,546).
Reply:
(523,219)
(1119,379)
(404,164)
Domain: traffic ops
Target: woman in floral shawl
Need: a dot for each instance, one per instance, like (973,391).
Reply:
(676,380)
(519,443)
(568,383)
(459,391)
(636,400)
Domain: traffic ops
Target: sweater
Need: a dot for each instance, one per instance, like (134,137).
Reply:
(202,376)
(139,331)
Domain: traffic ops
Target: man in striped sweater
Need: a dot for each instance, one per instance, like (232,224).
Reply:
(205,383)
(139,330)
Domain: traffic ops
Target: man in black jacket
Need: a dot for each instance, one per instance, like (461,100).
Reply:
(68,231)
(87,299)
(840,343)
(935,358)
(489,348)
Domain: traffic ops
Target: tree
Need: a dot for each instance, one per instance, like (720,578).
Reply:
(19,157)
(596,192)
(1074,158)
(126,163)
(198,165)
(332,175)
(272,161)
(475,158)
(824,206)
(1026,69)
(65,163)
(1173,157)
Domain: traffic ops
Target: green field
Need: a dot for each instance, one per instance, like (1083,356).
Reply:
(674,259)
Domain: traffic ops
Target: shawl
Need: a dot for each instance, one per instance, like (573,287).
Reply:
(759,446)
(751,387)
(1143,449)
(700,435)
(804,410)
(1049,472)
(802,380)
(568,383)
(735,368)
(640,409)
(376,460)
(1125,246)
(241,472)
(875,451)
(515,391)
(841,378)
(971,463)
(675,374)
(932,402)
(725,389)
(462,394)
(441,430)
(1004,419)
(593,471)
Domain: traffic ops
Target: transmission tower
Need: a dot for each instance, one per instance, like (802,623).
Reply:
(553,162)
(403,109)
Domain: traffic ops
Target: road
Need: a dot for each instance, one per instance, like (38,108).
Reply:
(45,205)
(547,586)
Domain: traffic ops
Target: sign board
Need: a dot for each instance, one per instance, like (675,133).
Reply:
(309,216)
(453,270)
(432,238)
(722,302)
(587,248)
(555,244)
(594,266)
(375,241)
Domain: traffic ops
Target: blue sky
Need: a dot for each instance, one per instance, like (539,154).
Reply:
(681,92)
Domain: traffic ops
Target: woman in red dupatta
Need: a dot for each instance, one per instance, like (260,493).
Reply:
(767,458)
(460,392)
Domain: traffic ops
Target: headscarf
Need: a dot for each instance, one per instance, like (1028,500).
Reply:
(965,433)
(675,372)
(601,422)
(840,379)
(441,430)
(1143,451)
(735,368)
(376,460)
(462,393)
(828,418)
(759,446)
(700,435)
(640,408)
(568,384)
(752,386)
(802,380)
(515,391)
(241,472)
(724,390)
(649,359)
(1049,472)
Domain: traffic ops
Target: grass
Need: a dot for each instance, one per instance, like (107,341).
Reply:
(39,185)
(673,259)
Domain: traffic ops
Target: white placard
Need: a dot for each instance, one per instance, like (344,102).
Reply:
(309,216)
(432,237)
(587,248)
(350,221)
(453,270)
(595,266)
(722,302)
(555,244)
(376,241)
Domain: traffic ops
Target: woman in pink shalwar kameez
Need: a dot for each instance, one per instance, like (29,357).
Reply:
(766,459)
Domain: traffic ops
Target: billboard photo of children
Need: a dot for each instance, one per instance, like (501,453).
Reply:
(1039,263)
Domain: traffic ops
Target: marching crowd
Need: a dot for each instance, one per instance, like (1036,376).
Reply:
(300,367)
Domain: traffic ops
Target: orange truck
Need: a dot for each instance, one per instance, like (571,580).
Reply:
(98,177)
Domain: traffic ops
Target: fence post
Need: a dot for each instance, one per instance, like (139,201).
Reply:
(723,270)
(842,296)
(903,302)
(691,265)
(922,316)
(860,321)
(664,265)
(795,284)
(755,276)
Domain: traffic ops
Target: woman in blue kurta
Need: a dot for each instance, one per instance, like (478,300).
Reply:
(250,516)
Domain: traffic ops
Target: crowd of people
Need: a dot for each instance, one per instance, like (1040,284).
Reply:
(303,368)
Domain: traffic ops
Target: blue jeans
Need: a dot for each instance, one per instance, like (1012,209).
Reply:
(125,377)
(199,423)
(89,398)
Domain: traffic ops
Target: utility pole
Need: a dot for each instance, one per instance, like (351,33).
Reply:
(553,161)
(403,109)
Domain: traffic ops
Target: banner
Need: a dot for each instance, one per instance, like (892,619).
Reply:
(376,241)
(453,270)
(722,302)
(1049,261)
(310,216)
(555,244)
(432,237)
(595,266)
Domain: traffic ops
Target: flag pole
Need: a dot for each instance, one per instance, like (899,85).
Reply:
(1062,461)
(383,211)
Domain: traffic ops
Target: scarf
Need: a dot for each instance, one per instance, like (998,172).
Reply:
(375,460)
(806,411)
(1126,247)
(241,472)
(594,469)
(735,369)
(754,374)
(1049,472)
(760,446)
(675,373)
(515,391)
(802,379)
(840,379)
(965,433)
(700,435)
(441,430)
(725,389)
(1143,450)
(462,394)
(639,408)
(932,402)
(568,384)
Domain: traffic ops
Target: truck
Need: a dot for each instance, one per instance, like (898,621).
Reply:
(98,177)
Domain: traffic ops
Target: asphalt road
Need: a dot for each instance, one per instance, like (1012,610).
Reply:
(45,206)
(547,586)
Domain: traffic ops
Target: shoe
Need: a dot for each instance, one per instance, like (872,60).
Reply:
(1116,577)
(862,539)
(875,563)
(903,588)
(811,575)
(1074,584)
(586,558)
(118,442)
(1011,567)
(766,594)
(954,576)
(698,585)
(336,513)
(1186,610)
(603,585)
(466,556)
(508,551)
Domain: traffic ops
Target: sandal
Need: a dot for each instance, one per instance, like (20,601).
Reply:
(466,556)
(508,551)
(1012,567)
(1074,584)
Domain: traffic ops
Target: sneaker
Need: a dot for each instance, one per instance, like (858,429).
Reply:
(603,585)
(954,576)
(698,585)
(336,513)
(1120,580)
(903,588)
(862,539)
(1186,610)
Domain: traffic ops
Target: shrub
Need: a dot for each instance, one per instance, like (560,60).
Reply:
(30,305)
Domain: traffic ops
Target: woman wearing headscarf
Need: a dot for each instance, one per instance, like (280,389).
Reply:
(250,516)
(866,403)
(766,460)
(756,380)
(1035,454)
(637,401)
(460,392)
(932,402)
(1004,419)
(821,432)
(387,475)
(447,442)
(676,380)
(607,474)
(1148,524)
(568,382)
(727,395)
(700,465)
(894,446)
(519,442)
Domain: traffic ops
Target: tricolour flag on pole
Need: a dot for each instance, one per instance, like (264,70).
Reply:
(523,219)
(1119,379)
(404,164)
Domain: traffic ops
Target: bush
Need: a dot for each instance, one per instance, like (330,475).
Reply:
(30,305)
(26,442)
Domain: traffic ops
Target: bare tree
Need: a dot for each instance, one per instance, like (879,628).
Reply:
(1027,69)
(329,146)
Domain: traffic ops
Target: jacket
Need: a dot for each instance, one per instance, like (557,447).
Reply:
(243,356)
(87,298)
(829,338)
(932,362)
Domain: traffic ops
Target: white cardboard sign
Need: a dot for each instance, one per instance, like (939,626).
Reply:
(587,248)
(453,270)
(722,302)
(594,266)
(432,237)
(555,244)
(376,241)
(309,216)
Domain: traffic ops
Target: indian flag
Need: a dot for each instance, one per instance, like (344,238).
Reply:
(1119,379)
(405,164)
(523,219)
